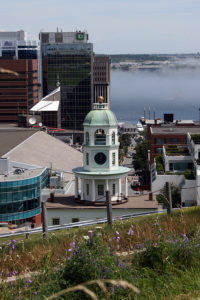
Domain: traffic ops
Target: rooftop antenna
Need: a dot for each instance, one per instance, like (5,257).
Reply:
(58,81)
(149,113)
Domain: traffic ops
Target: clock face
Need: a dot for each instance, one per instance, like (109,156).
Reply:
(100,158)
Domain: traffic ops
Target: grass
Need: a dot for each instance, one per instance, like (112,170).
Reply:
(167,266)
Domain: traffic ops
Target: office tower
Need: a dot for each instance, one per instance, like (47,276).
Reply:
(19,75)
(67,60)
(101,78)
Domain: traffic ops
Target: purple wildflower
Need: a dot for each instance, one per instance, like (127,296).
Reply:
(72,244)
(90,232)
(29,281)
(117,232)
(130,232)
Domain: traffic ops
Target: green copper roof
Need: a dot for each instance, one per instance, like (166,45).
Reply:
(82,171)
(100,117)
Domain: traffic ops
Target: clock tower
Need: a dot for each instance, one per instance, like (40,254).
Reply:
(101,170)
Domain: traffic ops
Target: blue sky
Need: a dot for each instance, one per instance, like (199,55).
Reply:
(114,26)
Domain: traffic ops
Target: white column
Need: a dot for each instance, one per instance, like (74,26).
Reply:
(76,187)
(119,188)
(126,187)
(107,185)
(82,187)
(93,190)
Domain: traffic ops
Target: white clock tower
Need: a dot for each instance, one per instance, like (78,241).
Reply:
(101,170)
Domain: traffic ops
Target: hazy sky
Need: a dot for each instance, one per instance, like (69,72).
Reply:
(114,26)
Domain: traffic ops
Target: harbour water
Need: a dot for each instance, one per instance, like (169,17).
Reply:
(163,91)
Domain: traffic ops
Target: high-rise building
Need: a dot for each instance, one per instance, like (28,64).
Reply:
(18,76)
(101,78)
(67,59)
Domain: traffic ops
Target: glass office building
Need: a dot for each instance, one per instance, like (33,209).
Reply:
(20,193)
(67,59)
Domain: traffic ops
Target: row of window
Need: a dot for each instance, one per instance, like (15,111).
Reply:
(99,137)
(100,189)
(163,141)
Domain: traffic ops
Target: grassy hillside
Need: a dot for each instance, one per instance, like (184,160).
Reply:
(160,255)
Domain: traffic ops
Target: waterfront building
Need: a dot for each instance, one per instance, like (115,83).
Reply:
(101,170)
(67,60)
(19,75)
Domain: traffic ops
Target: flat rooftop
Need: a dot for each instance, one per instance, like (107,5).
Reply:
(26,174)
(174,130)
(134,202)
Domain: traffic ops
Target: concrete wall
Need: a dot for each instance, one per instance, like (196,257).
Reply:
(66,215)
(162,179)
(188,192)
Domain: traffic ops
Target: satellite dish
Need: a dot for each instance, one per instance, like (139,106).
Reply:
(40,124)
(32,121)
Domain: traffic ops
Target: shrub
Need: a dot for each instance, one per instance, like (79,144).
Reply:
(189,174)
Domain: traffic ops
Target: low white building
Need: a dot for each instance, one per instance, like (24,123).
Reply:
(177,162)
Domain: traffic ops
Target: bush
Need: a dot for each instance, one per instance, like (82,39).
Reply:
(189,174)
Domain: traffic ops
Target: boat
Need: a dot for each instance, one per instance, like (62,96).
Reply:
(139,127)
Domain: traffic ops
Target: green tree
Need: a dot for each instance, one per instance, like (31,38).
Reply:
(176,196)
(140,160)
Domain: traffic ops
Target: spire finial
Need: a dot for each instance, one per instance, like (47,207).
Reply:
(100,99)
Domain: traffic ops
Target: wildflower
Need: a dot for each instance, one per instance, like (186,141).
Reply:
(72,244)
(86,237)
(70,250)
(90,232)
(117,246)
(117,232)
(130,232)
(35,293)
(29,281)
(105,270)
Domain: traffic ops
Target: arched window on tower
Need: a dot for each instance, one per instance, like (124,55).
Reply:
(100,137)
(113,138)
(87,138)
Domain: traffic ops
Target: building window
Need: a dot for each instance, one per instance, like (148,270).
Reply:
(100,137)
(159,141)
(87,138)
(113,138)
(113,189)
(87,159)
(174,141)
(113,158)
(158,150)
(56,221)
(74,220)
(100,190)
(171,166)
(87,189)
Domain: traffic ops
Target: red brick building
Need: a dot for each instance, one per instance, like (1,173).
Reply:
(18,93)
(168,135)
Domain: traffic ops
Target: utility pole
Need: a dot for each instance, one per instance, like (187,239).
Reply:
(44,212)
(169,198)
(109,208)
(44,219)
